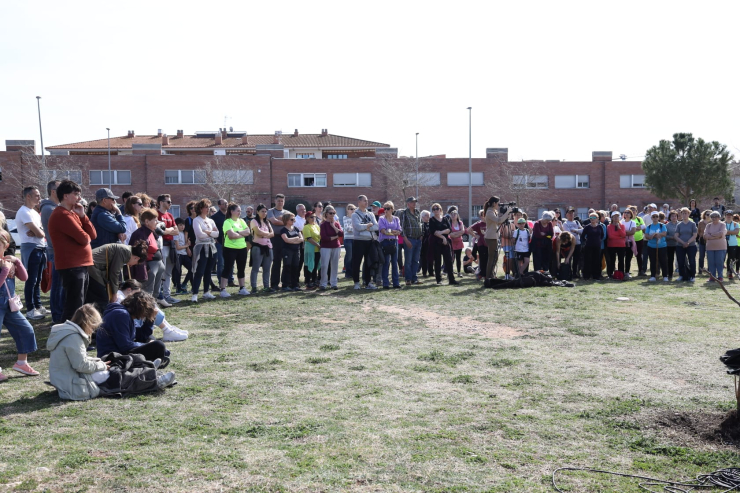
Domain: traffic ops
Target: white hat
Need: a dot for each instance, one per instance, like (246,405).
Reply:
(654,213)
(616,213)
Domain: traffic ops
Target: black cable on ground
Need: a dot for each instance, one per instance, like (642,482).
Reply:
(729,479)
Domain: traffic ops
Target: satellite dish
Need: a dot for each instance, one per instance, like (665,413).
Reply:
(623,157)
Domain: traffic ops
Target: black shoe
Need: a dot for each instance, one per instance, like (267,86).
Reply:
(396,287)
(386,287)
(335,288)
(322,288)
(453,283)
(487,283)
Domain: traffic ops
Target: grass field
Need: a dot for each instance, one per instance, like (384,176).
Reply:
(428,389)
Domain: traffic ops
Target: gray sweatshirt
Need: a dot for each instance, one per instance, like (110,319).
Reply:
(359,220)
(47,207)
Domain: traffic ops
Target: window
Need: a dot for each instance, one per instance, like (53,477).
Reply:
(305,155)
(571,181)
(336,156)
(184,177)
(306,179)
(51,174)
(582,213)
(352,179)
(530,181)
(461,179)
(631,181)
(233,176)
(175,211)
(102,178)
(426,179)
(476,211)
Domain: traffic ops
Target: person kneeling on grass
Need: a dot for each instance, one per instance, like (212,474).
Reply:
(118,332)
(144,327)
(74,374)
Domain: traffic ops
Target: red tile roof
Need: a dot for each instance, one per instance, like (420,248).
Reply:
(192,141)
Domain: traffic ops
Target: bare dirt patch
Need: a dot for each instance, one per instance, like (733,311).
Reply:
(695,428)
(437,321)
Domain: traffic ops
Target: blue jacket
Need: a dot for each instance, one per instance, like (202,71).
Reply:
(117,332)
(107,226)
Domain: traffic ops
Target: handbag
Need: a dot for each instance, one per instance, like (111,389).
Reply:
(14,301)
(389,246)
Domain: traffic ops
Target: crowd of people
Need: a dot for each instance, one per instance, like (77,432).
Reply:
(112,268)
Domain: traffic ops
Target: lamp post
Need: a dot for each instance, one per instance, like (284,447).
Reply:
(41,133)
(110,175)
(417,165)
(470,163)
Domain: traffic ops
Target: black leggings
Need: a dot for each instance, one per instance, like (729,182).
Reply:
(671,254)
(231,255)
(482,259)
(614,254)
(291,273)
(186,262)
(151,350)
(443,252)
(733,254)
(360,251)
(312,276)
(658,256)
(592,262)
(458,260)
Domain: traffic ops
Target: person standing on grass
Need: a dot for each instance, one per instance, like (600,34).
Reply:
(33,251)
(541,244)
(348,240)
(56,296)
(670,241)
(717,207)
(630,229)
(204,252)
(274,216)
(685,236)
(71,231)
(364,227)
(412,231)
(292,241)
(389,228)
(732,249)
(480,251)
(218,218)
(318,212)
(521,237)
(575,228)
(182,247)
(20,329)
(331,248)
(107,219)
(300,222)
(493,220)
(131,212)
(655,234)
(593,235)
(701,241)
(150,274)
(715,234)
(425,256)
(616,242)
(312,251)
(457,230)
(235,231)
(439,227)
(164,204)
(262,252)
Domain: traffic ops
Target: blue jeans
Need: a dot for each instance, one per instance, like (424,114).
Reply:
(412,255)
(34,259)
(391,259)
(56,295)
(20,329)
(348,258)
(716,261)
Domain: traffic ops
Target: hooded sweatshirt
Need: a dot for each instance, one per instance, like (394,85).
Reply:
(70,368)
(47,207)
(117,332)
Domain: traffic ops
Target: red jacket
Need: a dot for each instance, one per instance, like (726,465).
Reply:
(71,236)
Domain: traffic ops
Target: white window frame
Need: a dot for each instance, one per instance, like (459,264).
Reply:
(233,176)
(303,177)
(527,181)
(357,180)
(426,179)
(115,172)
(582,213)
(632,181)
(305,155)
(478,178)
(196,173)
(55,174)
(175,211)
(581,181)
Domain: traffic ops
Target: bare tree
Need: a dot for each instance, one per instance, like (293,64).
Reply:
(518,182)
(401,179)
(229,177)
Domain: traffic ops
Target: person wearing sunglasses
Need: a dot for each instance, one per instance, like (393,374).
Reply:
(164,204)
(593,235)
(107,219)
(331,231)
(439,241)
(131,212)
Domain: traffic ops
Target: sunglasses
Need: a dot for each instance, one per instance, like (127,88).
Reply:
(436,209)
(168,201)
(141,204)
(331,213)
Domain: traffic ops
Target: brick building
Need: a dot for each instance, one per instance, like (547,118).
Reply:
(265,170)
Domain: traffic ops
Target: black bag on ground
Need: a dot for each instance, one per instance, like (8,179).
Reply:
(731,359)
(129,374)
(564,273)
(529,280)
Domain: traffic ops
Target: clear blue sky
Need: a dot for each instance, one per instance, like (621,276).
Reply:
(548,80)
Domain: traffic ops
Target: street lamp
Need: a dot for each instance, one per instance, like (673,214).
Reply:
(417,165)
(470,163)
(110,175)
(38,103)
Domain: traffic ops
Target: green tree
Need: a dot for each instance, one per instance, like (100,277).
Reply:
(688,168)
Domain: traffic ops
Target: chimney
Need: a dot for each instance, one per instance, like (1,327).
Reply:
(219,138)
(324,132)
(278,137)
(601,156)
(245,139)
(159,132)
(165,140)
(500,154)
(224,133)
(295,134)
(131,134)
(180,134)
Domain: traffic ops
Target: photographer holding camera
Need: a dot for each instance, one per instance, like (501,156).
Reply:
(494,218)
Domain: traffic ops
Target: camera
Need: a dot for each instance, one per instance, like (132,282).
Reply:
(505,205)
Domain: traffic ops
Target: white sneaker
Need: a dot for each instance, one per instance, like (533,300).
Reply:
(223,294)
(665,279)
(679,278)
(692,280)
(166,380)
(371,286)
(357,285)
(172,336)
(194,298)
(163,303)
(208,296)
(177,329)
(652,279)
(43,311)
(243,292)
(34,315)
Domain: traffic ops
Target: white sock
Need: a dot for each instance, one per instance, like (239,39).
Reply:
(22,362)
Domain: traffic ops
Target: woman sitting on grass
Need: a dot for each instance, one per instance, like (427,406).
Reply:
(20,329)
(144,327)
